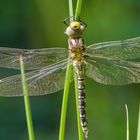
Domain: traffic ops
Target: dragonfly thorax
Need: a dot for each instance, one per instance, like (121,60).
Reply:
(77,50)
(75,29)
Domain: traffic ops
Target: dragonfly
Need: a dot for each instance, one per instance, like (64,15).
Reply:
(109,63)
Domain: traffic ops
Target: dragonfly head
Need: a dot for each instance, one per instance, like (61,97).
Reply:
(75,25)
(75,29)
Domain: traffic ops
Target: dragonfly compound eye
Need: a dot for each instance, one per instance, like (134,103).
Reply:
(75,25)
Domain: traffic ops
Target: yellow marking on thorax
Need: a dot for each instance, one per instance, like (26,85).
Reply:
(78,54)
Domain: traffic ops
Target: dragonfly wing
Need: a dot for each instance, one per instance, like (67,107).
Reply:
(33,58)
(40,82)
(126,49)
(113,72)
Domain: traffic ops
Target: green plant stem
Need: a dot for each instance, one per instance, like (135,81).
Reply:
(78,10)
(26,102)
(71,10)
(66,88)
(80,132)
(138,130)
(65,102)
(127,123)
(67,84)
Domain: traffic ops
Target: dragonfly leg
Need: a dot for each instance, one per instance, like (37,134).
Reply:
(83,23)
(66,19)
(67,24)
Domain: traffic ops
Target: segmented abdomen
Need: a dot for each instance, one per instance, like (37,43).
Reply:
(81,99)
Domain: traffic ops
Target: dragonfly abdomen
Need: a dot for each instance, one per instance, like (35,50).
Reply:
(81,99)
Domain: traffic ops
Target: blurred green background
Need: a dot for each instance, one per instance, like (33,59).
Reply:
(39,24)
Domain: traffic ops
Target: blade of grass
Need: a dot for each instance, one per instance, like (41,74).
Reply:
(65,102)
(127,122)
(71,10)
(26,102)
(67,84)
(138,130)
(78,10)
(66,88)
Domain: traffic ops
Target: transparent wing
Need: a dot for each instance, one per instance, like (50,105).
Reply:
(33,58)
(40,82)
(113,72)
(127,49)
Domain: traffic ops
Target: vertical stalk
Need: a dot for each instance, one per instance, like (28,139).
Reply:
(66,89)
(26,102)
(138,130)
(65,103)
(127,123)
(67,83)
(78,9)
(70,9)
